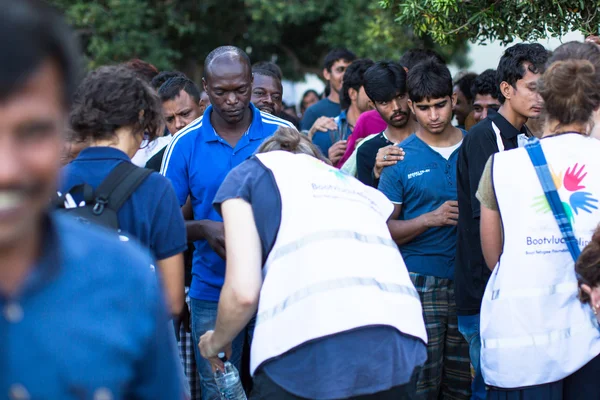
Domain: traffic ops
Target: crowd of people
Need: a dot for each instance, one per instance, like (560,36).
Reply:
(409,235)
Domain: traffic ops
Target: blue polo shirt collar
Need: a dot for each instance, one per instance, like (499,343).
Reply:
(102,153)
(254,132)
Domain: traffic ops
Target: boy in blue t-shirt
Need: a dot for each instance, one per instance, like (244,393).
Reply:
(423,224)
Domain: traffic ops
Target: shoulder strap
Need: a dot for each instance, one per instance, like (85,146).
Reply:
(122,181)
(538,159)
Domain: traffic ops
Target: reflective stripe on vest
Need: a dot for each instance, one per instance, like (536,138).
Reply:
(334,266)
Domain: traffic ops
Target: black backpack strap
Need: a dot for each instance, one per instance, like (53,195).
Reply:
(86,190)
(116,188)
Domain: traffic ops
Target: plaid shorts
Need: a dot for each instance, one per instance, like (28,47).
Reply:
(186,353)
(447,372)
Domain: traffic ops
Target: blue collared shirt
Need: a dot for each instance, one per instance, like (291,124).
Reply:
(151,215)
(422,182)
(89,322)
(197,161)
(324,140)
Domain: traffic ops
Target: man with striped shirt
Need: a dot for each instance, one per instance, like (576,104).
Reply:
(197,161)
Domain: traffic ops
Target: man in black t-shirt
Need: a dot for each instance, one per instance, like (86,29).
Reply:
(385,84)
(518,71)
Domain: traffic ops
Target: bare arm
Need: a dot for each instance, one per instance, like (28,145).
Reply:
(243,279)
(492,240)
(405,231)
(172,274)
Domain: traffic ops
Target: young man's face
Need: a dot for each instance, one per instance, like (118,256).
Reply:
(434,115)
(525,99)
(482,104)
(181,111)
(32,126)
(336,75)
(462,107)
(363,103)
(394,112)
(267,94)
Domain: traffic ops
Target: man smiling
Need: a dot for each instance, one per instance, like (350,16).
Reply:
(267,92)
(196,161)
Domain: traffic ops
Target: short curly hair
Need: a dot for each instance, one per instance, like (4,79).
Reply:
(113,97)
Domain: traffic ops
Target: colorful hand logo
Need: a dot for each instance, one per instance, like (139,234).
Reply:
(540,204)
(573,178)
(557,178)
(583,201)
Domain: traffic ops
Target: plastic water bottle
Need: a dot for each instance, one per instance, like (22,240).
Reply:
(229,382)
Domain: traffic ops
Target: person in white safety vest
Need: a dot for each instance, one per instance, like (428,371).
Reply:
(308,246)
(538,340)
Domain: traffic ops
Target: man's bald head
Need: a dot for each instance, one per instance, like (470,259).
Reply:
(228,55)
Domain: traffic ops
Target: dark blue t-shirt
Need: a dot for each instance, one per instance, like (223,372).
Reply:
(322,108)
(151,215)
(422,182)
(332,367)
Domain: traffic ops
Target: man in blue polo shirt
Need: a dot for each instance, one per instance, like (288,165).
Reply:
(423,224)
(81,313)
(197,161)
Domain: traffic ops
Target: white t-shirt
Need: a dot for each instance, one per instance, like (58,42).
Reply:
(147,151)
(446,152)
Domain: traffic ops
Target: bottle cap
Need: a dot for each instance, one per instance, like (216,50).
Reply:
(222,357)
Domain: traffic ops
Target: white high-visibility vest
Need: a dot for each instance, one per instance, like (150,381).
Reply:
(334,266)
(534,330)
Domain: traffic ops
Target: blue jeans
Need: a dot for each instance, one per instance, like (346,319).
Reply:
(204,318)
(468,326)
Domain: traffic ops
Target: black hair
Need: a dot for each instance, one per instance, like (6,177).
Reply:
(269,66)
(266,72)
(171,89)
(113,97)
(353,79)
(336,55)
(32,32)
(485,84)
(511,67)
(232,51)
(384,81)
(164,76)
(464,83)
(429,80)
(414,56)
(302,109)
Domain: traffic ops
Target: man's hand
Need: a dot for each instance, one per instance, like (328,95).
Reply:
(445,215)
(214,233)
(336,152)
(210,352)
(386,156)
(322,124)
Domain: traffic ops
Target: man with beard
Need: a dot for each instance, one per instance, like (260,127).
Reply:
(83,315)
(354,101)
(423,224)
(385,84)
(196,161)
(516,78)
